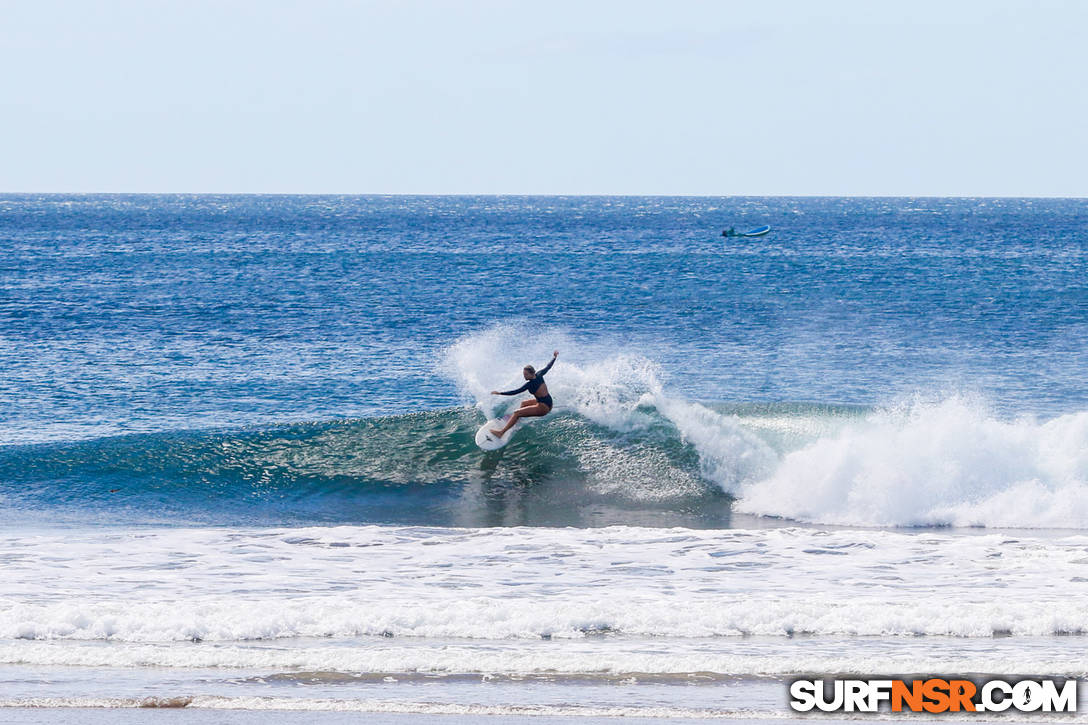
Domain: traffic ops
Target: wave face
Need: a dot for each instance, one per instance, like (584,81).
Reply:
(420,468)
(619,448)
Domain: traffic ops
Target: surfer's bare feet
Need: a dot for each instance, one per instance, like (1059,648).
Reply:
(498,433)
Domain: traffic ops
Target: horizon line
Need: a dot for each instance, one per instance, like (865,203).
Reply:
(539,195)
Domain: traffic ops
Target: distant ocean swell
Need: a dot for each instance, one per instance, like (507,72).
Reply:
(617,437)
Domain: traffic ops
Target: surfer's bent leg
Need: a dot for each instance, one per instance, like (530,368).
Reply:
(534,411)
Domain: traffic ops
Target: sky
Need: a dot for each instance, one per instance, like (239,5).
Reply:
(767,97)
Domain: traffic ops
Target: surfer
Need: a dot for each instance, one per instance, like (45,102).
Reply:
(541,402)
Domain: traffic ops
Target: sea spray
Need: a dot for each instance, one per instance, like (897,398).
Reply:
(623,393)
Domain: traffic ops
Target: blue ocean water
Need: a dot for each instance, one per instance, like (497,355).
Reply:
(304,357)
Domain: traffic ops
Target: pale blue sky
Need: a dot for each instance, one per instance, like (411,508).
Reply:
(757,97)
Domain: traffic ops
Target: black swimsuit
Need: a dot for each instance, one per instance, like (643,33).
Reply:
(534,385)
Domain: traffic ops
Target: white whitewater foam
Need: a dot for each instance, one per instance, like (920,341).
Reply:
(947,463)
(729,454)
(224,585)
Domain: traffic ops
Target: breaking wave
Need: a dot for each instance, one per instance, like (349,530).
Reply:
(619,448)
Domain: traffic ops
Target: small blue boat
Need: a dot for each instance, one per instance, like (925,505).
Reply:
(757,232)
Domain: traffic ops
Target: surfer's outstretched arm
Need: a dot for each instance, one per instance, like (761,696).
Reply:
(522,389)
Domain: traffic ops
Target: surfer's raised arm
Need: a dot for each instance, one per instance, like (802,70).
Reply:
(548,367)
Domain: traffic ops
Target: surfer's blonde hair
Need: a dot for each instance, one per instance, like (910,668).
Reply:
(529,369)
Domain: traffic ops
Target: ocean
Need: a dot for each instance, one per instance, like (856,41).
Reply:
(237,468)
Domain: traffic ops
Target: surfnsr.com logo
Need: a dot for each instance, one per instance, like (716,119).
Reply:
(933,695)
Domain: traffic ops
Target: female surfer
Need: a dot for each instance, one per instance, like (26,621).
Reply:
(541,403)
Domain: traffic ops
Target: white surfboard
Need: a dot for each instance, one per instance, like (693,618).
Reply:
(488,441)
